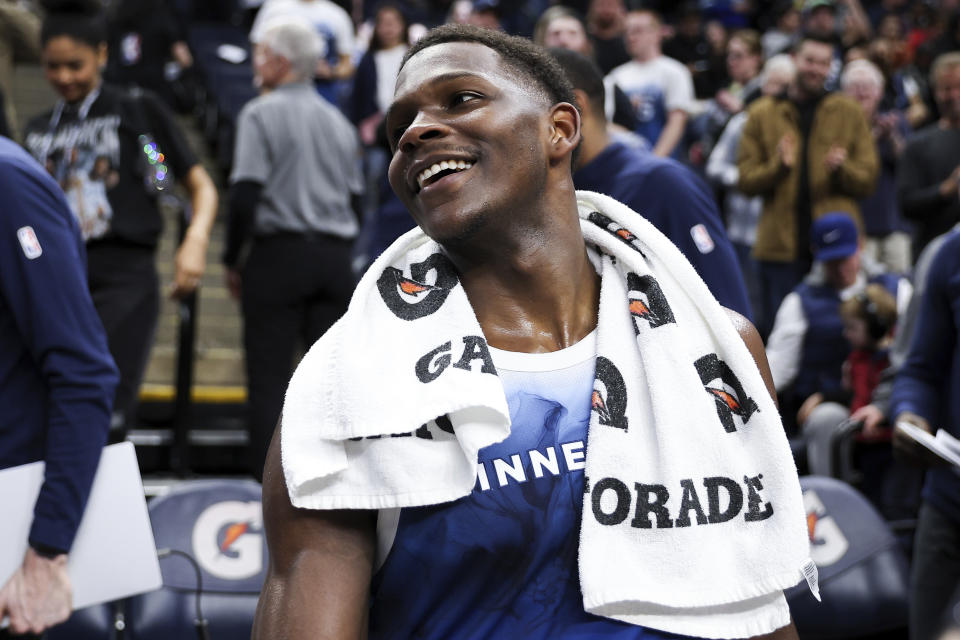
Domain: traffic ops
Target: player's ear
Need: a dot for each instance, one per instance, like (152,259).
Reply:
(564,129)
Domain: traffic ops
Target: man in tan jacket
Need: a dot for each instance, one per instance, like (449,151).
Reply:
(806,153)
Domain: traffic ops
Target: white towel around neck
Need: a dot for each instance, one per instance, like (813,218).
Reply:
(693,519)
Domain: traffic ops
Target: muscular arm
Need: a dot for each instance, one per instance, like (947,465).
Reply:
(318,580)
(751,338)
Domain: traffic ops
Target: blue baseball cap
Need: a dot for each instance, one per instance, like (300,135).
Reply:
(834,236)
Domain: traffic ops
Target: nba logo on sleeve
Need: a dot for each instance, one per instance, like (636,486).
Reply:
(29,243)
(701,237)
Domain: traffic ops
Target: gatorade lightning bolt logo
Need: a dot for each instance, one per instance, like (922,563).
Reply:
(625,235)
(647,302)
(609,399)
(828,543)
(812,518)
(232,534)
(721,383)
(228,539)
(413,298)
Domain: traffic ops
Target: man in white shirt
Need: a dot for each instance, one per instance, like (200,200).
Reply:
(659,87)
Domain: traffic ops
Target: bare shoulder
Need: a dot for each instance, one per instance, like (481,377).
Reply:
(748,332)
(751,338)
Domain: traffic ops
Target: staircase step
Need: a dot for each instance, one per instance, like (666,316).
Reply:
(212,366)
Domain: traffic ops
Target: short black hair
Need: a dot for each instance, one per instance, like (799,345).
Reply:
(815,36)
(527,59)
(584,74)
(81,20)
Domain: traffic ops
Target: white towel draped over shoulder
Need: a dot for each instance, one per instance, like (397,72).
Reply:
(692,520)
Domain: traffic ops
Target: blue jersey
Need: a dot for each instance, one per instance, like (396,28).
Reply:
(502,562)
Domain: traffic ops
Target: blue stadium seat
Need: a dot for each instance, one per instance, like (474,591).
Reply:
(219,523)
(92,623)
(863,570)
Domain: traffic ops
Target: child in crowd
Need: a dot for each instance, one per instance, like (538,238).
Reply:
(868,322)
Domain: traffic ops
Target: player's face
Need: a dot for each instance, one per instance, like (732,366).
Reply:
(72,67)
(469,139)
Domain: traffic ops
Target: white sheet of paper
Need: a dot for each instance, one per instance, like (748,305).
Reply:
(114,555)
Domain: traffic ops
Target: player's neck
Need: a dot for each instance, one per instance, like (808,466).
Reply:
(537,292)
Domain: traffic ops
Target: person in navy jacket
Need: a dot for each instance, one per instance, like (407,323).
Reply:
(926,393)
(663,191)
(57,380)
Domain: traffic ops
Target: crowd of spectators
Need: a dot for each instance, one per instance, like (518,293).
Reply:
(801,153)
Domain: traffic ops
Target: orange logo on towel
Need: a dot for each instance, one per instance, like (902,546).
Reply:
(413,297)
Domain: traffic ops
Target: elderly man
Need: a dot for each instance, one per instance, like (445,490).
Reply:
(538,296)
(888,235)
(295,177)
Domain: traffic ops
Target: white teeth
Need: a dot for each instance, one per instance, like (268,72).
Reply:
(437,167)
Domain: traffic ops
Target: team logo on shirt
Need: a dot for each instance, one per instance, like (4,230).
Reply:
(624,235)
(414,297)
(609,399)
(647,302)
(721,383)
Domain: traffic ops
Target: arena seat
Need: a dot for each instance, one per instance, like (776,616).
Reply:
(93,623)
(863,571)
(219,524)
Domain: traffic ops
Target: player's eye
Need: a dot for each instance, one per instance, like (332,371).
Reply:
(462,98)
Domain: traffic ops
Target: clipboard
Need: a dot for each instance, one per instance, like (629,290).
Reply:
(944,445)
(114,554)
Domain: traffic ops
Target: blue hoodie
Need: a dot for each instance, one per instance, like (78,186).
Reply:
(928,384)
(56,375)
